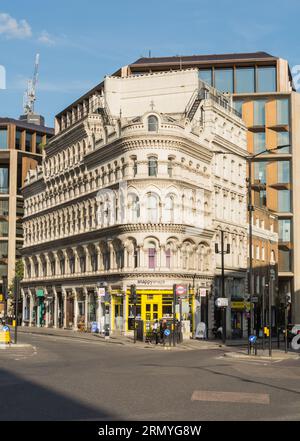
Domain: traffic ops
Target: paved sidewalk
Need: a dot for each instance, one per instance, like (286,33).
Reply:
(277,355)
(71,334)
(232,348)
(119,340)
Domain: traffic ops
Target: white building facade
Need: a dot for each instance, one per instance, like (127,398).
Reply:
(140,178)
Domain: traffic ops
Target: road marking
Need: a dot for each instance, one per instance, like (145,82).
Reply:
(230,397)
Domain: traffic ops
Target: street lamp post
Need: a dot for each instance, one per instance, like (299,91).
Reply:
(250,210)
(223,252)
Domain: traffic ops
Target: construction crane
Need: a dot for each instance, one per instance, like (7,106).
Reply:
(30,96)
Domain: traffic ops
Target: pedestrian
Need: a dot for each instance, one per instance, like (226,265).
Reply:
(155,331)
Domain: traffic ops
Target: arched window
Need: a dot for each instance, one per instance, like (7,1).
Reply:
(152,208)
(151,255)
(152,123)
(168,257)
(169,209)
(152,166)
(134,208)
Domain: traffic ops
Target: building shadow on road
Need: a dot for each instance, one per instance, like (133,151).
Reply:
(23,400)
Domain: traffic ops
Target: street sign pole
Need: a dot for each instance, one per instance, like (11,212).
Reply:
(4,292)
(285,326)
(174,313)
(16,289)
(270,317)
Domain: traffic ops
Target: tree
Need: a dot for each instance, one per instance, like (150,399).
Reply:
(19,272)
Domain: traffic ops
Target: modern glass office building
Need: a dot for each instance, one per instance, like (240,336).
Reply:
(21,146)
(263,92)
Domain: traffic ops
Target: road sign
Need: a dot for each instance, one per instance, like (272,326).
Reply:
(252,339)
(181,290)
(167,332)
(254,299)
(94,327)
(5,328)
(222,302)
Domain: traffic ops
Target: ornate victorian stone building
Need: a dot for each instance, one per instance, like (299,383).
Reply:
(132,191)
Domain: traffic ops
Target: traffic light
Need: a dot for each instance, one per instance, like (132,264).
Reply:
(133,295)
(106,297)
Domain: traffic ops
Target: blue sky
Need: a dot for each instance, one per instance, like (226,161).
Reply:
(81,41)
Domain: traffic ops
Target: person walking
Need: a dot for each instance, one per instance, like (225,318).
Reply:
(155,331)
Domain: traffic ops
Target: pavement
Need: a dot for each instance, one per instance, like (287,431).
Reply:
(235,348)
(117,340)
(61,378)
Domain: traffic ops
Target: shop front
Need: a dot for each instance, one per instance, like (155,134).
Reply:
(117,310)
(92,308)
(70,310)
(239,311)
(80,313)
(41,307)
(157,304)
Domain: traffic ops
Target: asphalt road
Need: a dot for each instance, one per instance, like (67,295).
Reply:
(64,379)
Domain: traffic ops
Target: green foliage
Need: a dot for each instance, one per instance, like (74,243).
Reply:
(19,272)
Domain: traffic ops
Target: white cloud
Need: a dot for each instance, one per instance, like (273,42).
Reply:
(46,38)
(11,28)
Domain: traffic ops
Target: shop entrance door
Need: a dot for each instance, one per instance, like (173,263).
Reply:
(118,316)
(151,309)
(70,313)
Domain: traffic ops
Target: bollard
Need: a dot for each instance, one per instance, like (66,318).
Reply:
(5,335)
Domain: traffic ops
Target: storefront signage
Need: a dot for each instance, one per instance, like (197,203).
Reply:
(150,282)
(40,293)
(101,292)
(240,305)
(222,302)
